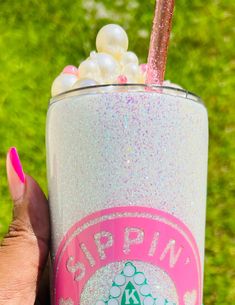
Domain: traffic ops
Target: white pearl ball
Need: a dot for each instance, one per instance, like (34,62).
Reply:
(89,69)
(109,67)
(84,83)
(132,71)
(129,57)
(92,54)
(112,39)
(62,83)
(142,78)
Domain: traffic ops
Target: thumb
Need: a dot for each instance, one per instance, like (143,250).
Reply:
(24,250)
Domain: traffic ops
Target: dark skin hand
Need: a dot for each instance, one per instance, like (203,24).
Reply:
(24,250)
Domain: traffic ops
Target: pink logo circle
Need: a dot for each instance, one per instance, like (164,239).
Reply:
(126,234)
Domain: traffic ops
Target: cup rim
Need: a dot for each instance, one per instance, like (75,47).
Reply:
(145,88)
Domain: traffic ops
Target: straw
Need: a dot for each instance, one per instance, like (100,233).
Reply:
(159,42)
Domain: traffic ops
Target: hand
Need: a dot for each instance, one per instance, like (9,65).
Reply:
(24,250)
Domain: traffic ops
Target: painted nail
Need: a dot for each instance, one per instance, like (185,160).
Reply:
(15,174)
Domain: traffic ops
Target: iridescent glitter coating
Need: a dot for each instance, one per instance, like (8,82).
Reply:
(159,41)
(120,148)
(127,148)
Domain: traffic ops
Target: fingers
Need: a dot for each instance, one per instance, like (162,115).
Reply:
(24,250)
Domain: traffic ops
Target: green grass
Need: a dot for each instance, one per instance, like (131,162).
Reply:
(38,39)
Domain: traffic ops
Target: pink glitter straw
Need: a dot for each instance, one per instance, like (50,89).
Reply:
(159,42)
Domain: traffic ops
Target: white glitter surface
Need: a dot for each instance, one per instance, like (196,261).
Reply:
(121,149)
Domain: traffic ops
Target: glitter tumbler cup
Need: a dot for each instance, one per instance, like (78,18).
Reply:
(127,171)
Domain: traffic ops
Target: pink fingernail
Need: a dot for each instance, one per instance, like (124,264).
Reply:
(15,174)
(15,161)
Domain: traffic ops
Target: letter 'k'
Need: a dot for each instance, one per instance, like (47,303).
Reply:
(131,296)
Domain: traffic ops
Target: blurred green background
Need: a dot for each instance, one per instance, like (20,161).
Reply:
(38,38)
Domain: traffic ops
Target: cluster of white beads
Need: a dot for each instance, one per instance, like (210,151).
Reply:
(112,63)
